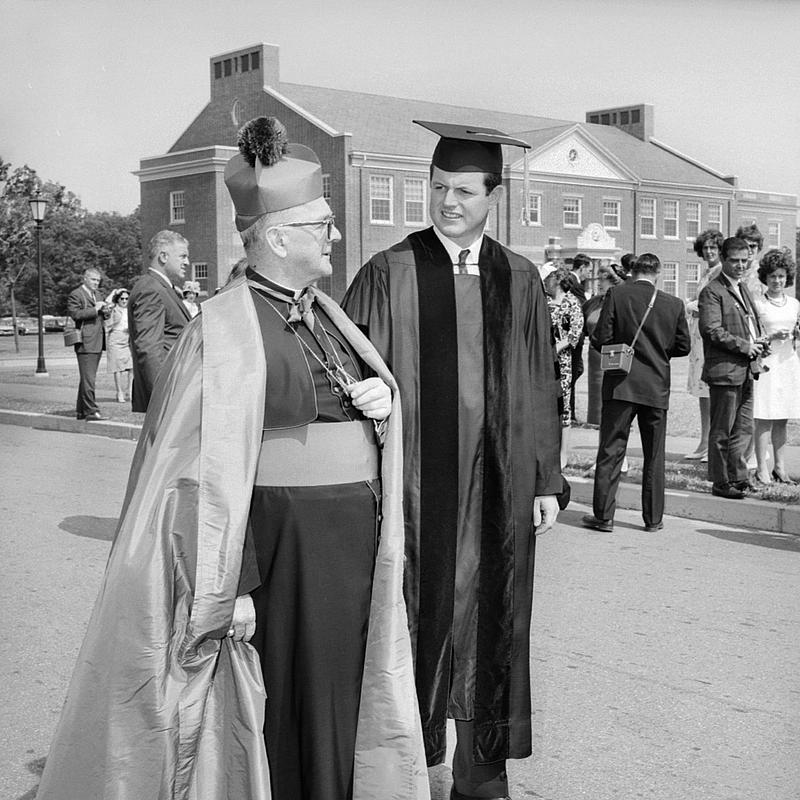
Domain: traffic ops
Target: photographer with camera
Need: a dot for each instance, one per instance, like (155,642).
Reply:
(733,346)
(89,314)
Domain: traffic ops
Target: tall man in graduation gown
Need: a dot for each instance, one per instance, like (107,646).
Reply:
(463,323)
(261,508)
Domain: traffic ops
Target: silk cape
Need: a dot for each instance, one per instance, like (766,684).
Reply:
(404,300)
(162,705)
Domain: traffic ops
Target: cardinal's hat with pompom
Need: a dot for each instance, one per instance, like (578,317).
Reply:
(269,174)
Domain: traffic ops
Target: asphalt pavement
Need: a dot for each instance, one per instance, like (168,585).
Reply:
(664,666)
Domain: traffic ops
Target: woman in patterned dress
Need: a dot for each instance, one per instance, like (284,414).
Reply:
(567,322)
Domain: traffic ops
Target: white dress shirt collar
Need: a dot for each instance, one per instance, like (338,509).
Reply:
(454,249)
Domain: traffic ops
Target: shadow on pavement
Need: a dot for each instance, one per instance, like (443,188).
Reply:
(90,527)
(36,767)
(774,541)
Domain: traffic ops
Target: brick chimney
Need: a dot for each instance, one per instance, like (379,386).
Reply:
(244,71)
(636,120)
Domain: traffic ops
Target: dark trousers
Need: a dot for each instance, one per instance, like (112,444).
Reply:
(476,780)
(731,427)
(315,548)
(87,369)
(615,426)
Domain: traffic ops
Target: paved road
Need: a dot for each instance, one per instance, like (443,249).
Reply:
(664,666)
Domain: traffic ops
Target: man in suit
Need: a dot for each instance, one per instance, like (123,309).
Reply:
(642,393)
(89,313)
(732,347)
(156,311)
(581,270)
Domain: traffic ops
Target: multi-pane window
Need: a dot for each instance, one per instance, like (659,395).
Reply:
(692,281)
(670,210)
(326,189)
(715,216)
(774,234)
(200,274)
(669,277)
(535,208)
(414,200)
(692,220)
(177,207)
(572,212)
(611,214)
(647,217)
(380,199)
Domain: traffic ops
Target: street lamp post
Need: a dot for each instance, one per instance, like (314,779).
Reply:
(38,206)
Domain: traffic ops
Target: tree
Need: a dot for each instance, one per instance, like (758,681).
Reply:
(72,240)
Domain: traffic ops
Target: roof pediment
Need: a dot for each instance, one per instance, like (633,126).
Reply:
(575,154)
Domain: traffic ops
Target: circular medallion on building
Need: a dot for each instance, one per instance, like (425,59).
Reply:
(572,155)
(238,113)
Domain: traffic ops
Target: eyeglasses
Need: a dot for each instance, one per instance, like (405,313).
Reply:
(329,222)
(752,245)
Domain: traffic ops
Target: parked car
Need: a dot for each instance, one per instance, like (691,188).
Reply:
(54,324)
(7,327)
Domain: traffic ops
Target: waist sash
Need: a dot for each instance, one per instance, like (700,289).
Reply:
(319,454)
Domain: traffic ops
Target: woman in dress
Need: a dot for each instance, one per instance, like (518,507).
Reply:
(707,245)
(776,393)
(190,291)
(567,322)
(118,351)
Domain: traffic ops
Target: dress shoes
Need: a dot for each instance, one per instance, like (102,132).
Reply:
(726,490)
(783,479)
(655,526)
(96,417)
(605,525)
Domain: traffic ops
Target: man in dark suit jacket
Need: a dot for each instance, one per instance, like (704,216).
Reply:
(579,272)
(731,331)
(88,312)
(642,393)
(156,312)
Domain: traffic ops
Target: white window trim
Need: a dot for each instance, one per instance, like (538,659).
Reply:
(677,235)
(537,224)
(676,280)
(390,221)
(654,234)
(579,223)
(714,221)
(414,223)
(326,178)
(698,221)
(173,220)
(616,200)
(778,243)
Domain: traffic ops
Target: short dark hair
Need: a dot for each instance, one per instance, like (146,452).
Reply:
(647,264)
(580,260)
(704,237)
(752,233)
(491,180)
(733,243)
(777,258)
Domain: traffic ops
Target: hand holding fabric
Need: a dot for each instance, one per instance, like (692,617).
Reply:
(372,397)
(243,624)
(545,511)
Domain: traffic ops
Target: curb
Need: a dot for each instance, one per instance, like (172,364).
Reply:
(746,513)
(51,422)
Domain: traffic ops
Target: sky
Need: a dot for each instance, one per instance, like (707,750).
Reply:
(92,86)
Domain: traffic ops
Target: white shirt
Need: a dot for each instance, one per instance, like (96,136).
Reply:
(454,249)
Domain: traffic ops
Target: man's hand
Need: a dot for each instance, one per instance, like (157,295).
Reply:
(372,397)
(243,624)
(755,349)
(545,511)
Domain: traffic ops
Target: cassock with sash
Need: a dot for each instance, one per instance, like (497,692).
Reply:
(162,705)
(473,356)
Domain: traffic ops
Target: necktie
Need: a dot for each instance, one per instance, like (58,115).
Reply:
(462,262)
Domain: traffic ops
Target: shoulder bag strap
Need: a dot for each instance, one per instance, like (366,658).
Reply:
(647,311)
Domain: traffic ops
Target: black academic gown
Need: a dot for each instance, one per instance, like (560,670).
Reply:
(404,299)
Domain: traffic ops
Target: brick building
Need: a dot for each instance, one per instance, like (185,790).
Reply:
(605,186)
